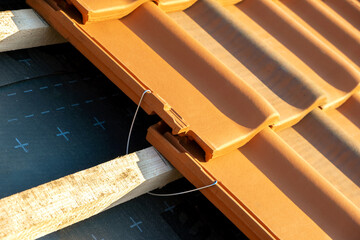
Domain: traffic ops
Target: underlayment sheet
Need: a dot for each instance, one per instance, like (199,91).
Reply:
(60,115)
(59,120)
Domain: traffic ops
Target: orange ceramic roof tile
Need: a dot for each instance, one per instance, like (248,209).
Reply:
(286,197)
(228,2)
(217,98)
(208,98)
(348,9)
(305,43)
(105,9)
(332,26)
(269,89)
(330,150)
(95,10)
(254,55)
(347,117)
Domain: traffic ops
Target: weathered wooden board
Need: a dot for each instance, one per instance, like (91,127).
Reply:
(60,203)
(25,29)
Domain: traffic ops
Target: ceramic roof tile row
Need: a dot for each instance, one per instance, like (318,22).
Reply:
(267,92)
(94,10)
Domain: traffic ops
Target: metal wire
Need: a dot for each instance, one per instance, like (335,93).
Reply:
(133,121)
(180,193)
(127,152)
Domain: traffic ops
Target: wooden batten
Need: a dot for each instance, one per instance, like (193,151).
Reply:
(21,29)
(57,204)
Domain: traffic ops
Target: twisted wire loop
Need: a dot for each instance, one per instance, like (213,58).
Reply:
(127,152)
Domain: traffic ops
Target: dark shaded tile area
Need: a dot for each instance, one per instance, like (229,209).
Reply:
(12,5)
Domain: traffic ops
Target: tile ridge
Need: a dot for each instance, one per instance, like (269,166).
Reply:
(315,178)
(313,91)
(96,11)
(328,26)
(340,101)
(93,14)
(229,2)
(297,118)
(348,9)
(336,130)
(284,15)
(311,50)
